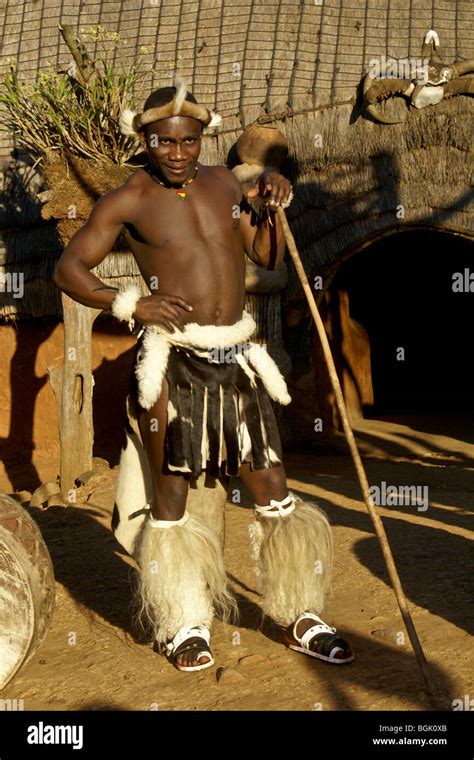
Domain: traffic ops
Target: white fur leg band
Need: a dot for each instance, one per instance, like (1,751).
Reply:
(293,561)
(169,523)
(284,507)
(124,304)
(182,578)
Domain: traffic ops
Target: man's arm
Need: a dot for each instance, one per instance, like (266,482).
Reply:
(89,246)
(263,237)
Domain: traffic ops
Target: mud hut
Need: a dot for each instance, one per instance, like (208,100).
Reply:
(381,211)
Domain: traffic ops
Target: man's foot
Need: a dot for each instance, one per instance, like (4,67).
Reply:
(311,635)
(189,650)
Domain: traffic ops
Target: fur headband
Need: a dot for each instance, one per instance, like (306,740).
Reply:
(132,122)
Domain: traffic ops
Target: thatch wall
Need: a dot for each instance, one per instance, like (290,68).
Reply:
(368,180)
(301,59)
(247,56)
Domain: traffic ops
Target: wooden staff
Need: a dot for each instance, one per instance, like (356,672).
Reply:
(374,516)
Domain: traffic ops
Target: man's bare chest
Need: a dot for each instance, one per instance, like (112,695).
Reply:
(170,217)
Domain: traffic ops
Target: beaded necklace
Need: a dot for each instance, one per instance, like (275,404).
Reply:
(180,193)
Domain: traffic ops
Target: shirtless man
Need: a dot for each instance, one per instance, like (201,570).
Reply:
(194,247)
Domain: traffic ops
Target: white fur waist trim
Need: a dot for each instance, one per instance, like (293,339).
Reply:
(209,336)
(152,358)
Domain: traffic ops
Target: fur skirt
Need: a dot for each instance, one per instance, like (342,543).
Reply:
(219,412)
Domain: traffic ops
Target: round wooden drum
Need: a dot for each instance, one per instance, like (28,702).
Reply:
(26,588)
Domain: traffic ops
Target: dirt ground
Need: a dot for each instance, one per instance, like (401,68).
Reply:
(94,658)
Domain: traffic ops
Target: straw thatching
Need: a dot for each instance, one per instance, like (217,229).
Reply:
(300,64)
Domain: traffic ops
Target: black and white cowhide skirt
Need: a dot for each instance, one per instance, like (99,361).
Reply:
(218,412)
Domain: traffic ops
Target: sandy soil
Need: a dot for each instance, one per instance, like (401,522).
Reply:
(94,658)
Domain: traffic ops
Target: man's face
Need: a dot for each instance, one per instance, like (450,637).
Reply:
(173,146)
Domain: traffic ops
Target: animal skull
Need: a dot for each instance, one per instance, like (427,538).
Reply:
(436,81)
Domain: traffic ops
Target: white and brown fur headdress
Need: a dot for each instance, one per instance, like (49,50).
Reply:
(132,122)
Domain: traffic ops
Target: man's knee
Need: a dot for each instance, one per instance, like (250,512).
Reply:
(274,477)
(266,484)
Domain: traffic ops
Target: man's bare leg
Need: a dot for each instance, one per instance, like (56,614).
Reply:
(265,485)
(169,491)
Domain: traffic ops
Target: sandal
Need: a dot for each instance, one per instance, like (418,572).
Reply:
(180,644)
(319,641)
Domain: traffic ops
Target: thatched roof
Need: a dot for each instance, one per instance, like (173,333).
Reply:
(301,61)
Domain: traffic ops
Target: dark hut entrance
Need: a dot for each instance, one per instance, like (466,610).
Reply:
(400,290)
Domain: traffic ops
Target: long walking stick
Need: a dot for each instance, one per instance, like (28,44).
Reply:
(377,521)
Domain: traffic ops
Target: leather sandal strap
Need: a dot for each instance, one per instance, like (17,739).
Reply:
(309,635)
(319,621)
(329,645)
(326,646)
(196,646)
(185,633)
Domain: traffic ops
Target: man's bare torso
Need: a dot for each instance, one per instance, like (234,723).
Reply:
(192,246)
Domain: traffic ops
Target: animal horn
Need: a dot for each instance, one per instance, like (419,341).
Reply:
(181,90)
(431,46)
(460,87)
(463,67)
(374,91)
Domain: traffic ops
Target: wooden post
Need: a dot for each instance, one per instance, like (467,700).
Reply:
(72,384)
